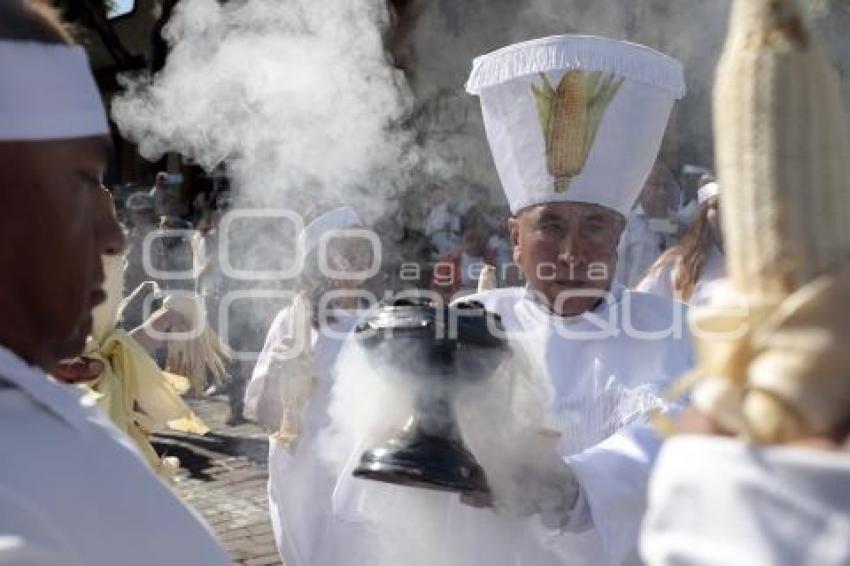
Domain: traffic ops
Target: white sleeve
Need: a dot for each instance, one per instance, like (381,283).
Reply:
(28,538)
(613,476)
(716,501)
(254,390)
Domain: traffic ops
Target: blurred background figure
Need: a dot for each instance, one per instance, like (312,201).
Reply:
(290,393)
(159,193)
(442,225)
(686,271)
(458,271)
(141,221)
(651,228)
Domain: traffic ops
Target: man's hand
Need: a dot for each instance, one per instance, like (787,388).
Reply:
(547,487)
(78,370)
(150,333)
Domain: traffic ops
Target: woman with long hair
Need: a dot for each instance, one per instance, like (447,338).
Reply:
(290,391)
(685,271)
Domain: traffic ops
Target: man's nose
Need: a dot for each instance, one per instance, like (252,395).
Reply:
(571,250)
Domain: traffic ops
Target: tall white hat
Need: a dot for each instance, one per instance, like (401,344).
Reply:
(575,118)
(48,93)
(333,220)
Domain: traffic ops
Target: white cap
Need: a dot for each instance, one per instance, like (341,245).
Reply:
(336,219)
(575,118)
(707,191)
(48,93)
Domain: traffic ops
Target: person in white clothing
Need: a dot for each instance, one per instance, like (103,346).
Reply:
(759,472)
(686,271)
(606,352)
(289,393)
(606,376)
(73,489)
(648,228)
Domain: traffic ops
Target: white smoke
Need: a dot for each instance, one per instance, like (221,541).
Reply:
(297,98)
(501,419)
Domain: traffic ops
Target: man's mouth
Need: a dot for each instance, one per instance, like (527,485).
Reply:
(572,283)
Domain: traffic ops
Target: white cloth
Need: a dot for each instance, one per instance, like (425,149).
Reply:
(661,282)
(300,484)
(604,387)
(639,247)
(618,150)
(48,92)
(73,487)
(707,191)
(717,501)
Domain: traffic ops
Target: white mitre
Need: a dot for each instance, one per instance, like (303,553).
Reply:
(575,118)
(48,93)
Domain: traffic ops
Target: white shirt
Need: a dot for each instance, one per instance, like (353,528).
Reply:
(719,501)
(605,386)
(75,491)
(661,282)
(300,484)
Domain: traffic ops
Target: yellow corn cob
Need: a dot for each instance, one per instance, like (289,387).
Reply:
(567,129)
(781,145)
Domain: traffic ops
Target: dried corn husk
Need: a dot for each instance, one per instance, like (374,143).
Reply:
(138,397)
(197,353)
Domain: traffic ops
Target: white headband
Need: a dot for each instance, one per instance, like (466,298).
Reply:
(336,219)
(48,93)
(707,191)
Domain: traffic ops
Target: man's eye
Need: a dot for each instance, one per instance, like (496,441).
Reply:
(596,228)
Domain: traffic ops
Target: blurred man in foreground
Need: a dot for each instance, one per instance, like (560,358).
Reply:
(63,484)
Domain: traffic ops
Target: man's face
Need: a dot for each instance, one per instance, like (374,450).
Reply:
(568,252)
(56,222)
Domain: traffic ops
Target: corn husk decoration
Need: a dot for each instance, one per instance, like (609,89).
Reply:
(198,353)
(138,397)
(771,346)
(487,279)
(570,116)
(292,367)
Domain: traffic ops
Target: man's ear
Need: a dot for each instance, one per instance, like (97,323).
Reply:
(513,231)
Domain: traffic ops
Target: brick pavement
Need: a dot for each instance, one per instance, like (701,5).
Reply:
(224,476)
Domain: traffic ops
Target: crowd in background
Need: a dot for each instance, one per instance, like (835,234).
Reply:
(460,232)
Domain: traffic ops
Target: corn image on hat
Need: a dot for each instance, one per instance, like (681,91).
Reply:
(575,118)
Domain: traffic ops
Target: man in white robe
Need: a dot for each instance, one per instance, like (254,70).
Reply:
(74,491)
(607,352)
